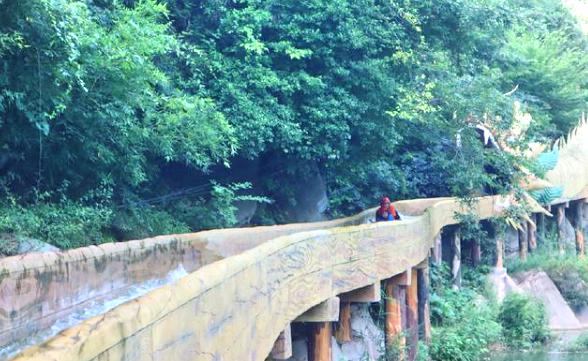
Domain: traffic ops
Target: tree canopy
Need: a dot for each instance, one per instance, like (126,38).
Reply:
(134,111)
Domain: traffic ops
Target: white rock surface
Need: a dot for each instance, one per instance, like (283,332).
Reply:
(367,342)
(337,354)
(502,283)
(33,245)
(299,351)
(539,285)
(511,244)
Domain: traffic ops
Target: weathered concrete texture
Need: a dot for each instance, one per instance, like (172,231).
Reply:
(502,283)
(338,354)
(569,235)
(36,289)
(539,285)
(367,342)
(235,308)
(299,350)
(511,243)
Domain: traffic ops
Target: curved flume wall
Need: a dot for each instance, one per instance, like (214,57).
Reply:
(204,307)
(234,309)
(39,289)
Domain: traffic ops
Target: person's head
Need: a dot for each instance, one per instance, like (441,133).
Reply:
(385,202)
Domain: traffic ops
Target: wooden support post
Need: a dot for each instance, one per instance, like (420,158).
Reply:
(561,216)
(456,262)
(343,327)
(523,242)
(500,250)
(578,229)
(437,250)
(476,253)
(424,320)
(532,236)
(321,341)
(283,346)
(412,326)
(395,309)
(541,227)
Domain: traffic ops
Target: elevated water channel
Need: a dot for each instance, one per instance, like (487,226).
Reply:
(92,310)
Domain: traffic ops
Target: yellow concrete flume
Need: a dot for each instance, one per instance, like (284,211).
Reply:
(235,308)
(246,284)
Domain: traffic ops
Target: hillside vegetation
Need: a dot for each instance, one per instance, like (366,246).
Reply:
(122,119)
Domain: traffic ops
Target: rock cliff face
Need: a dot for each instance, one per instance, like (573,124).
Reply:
(368,339)
(367,342)
(559,313)
(539,285)
(502,283)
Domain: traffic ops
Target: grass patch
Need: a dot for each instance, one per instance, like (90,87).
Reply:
(568,272)
(580,344)
(523,321)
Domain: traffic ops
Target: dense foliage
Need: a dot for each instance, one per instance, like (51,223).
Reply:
(524,321)
(465,322)
(131,113)
(579,345)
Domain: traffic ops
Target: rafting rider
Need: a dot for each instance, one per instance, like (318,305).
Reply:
(386,212)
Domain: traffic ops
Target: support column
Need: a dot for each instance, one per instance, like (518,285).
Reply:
(456,262)
(561,216)
(541,227)
(476,253)
(424,320)
(578,229)
(412,316)
(395,308)
(321,341)
(532,235)
(500,250)
(437,250)
(343,327)
(523,242)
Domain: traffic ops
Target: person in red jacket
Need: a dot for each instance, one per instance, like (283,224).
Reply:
(386,212)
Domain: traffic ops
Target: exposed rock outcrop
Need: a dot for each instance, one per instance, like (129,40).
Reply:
(539,285)
(502,283)
(367,342)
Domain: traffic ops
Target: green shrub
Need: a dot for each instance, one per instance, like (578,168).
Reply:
(395,351)
(571,285)
(423,353)
(465,326)
(137,223)
(65,224)
(8,245)
(580,344)
(523,321)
